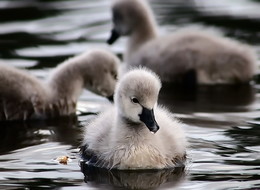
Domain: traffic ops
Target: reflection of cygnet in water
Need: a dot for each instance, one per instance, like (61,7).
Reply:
(220,98)
(184,56)
(24,97)
(133,179)
(135,133)
(17,135)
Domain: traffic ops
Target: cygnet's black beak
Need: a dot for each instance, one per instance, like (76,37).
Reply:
(147,116)
(113,37)
(111,98)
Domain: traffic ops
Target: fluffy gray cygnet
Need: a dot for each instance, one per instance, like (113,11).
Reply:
(24,97)
(211,58)
(135,133)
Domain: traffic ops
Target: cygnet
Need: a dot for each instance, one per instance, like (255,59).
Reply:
(187,56)
(24,97)
(135,133)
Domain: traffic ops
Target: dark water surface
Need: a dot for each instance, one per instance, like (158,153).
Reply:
(222,123)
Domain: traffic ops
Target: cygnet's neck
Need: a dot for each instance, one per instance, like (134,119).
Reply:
(145,31)
(134,131)
(67,81)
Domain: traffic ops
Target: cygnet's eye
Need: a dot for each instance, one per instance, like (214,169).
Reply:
(135,100)
(114,75)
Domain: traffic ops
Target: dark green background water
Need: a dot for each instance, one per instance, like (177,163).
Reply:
(222,124)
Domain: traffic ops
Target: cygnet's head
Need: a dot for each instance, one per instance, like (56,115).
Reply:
(127,16)
(136,96)
(102,75)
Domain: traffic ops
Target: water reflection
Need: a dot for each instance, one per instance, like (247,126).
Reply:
(28,150)
(16,134)
(132,179)
(247,135)
(237,17)
(217,98)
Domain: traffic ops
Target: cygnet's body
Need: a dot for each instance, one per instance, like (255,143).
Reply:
(23,96)
(214,59)
(135,133)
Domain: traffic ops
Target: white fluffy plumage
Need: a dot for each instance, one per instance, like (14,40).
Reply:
(120,138)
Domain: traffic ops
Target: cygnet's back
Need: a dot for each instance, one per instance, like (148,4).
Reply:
(24,97)
(213,58)
(135,133)
(18,92)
